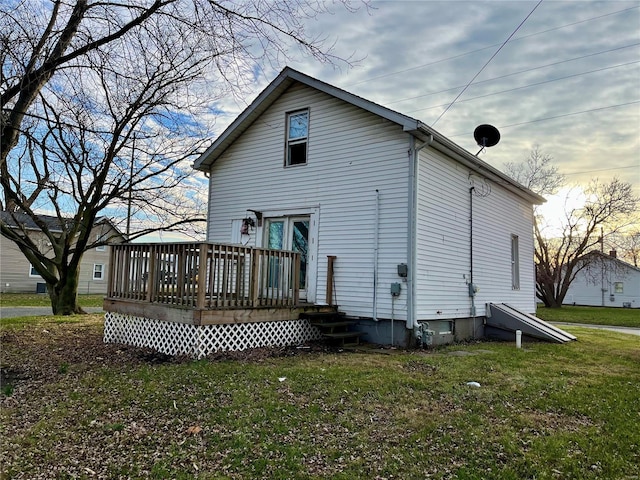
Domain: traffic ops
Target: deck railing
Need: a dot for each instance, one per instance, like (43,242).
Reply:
(204,275)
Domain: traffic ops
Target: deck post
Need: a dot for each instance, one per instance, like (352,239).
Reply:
(112,269)
(296,278)
(254,291)
(151,274)
(202,274)
(329,295)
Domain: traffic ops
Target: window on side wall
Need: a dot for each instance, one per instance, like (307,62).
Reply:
(33,272)
(618,287)
(99,238)
(98,271)
(297,136)
(515,263)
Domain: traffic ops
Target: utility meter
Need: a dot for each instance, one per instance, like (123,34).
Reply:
(403,270)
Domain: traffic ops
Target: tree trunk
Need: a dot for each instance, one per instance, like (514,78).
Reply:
(64,296)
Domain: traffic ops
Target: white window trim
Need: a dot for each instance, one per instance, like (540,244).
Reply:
(32,274)
(515,262)
(100,248)
(297,140)
(101,265)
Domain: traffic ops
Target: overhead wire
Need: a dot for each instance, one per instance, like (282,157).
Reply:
(526,70)
(529,85)
(607,107)
(398,72)
(487,62)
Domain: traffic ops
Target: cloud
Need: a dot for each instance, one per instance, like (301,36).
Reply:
(567,80)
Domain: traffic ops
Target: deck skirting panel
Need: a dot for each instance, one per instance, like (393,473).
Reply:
(198,341)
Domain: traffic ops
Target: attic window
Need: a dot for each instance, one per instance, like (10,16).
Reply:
(297,136)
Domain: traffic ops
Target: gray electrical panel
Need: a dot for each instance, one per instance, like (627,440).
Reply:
(395,289)
(403,270)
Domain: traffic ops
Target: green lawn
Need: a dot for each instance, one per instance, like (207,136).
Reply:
(77,408)
(42,300)
(624,317)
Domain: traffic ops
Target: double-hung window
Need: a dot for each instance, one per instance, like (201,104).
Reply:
(98,271)
(99,238)
(297,137)
(515,263)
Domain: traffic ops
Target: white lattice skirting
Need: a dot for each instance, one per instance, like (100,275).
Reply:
(200,340)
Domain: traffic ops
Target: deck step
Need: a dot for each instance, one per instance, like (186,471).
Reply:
(321,317)
(332,325)
(343,337)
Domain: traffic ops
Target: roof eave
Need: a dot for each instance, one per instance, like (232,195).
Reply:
(287,77)
(442,143)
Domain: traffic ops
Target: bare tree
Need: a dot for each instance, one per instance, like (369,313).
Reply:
(537,172)
(106,104)
(561,250)
(627,245)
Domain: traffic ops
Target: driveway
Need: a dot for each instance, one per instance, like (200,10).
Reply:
(629,330)
(12,312)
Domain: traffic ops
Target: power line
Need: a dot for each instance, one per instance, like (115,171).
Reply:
(500,77)
(556,116)
(528,85)
(601,170)
(487,63)
(397,72)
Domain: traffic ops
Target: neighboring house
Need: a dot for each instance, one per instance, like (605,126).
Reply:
(606,282)
(18,276)
(418,233)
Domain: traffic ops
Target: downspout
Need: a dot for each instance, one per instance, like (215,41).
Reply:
(472,293)
(208,176)
(412,321)
(376,243)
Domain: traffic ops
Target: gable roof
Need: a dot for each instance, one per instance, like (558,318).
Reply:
(53,223)
(415,127)
(610,258)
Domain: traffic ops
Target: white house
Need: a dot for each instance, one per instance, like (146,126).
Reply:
(417,234)
(606,282)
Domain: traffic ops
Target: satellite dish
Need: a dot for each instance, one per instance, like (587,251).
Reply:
(486,136)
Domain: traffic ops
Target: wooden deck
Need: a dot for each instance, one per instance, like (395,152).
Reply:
(205,283)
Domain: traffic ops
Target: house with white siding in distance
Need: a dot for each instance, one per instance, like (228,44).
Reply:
(606,281)
(410,235)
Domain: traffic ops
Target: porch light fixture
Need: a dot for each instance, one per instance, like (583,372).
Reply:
(257,214)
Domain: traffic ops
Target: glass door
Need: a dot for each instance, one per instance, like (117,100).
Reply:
(290,233)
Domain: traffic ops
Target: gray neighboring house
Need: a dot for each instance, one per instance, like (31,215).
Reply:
(607,282)
(18,276)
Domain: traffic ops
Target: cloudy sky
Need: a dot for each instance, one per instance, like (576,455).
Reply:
(568,80)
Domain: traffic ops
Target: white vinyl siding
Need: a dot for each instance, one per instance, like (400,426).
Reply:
(443,242)
(351,154)
(607,282)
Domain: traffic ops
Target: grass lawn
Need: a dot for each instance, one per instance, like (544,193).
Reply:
(73,407)
(42,300)
(623,317)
